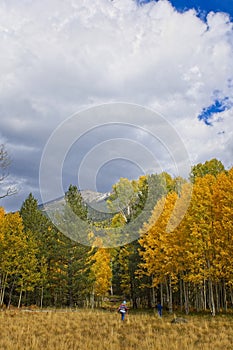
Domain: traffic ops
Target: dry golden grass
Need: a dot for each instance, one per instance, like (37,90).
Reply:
(83,330)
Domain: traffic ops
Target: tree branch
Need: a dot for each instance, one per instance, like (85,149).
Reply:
(10,192)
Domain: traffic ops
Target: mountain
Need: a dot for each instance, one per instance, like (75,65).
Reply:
(96,203)
(94,197)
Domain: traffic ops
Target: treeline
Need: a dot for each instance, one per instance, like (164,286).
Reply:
(194,261)
(182,256)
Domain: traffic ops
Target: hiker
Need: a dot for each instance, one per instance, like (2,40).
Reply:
(159,308)
(122,309)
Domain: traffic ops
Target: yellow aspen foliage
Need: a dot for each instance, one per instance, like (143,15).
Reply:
(181,206)
(101,271)
(201,240)
(2,228)
(2,213)
(156,253)
(223,210)
(13,243)
(177,229)
(18,252)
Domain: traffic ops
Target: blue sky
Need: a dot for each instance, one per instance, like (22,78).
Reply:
(215,108)
(204,6)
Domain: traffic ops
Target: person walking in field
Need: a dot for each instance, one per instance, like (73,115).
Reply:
(123,309)
(159,308)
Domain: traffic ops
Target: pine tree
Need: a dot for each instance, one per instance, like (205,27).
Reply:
(46,237)
(74,221)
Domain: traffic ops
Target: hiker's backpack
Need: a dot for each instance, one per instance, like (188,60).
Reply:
(122,308)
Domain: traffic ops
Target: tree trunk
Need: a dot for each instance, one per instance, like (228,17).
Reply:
(153,293)
(161,293)
(204,295)
(70,283)
(224,296)
(20,297)
(3,288)
(92,299)
(231,295)
(181,295)
(111,290)
(169,294)
(11,291)
(217,291)
(186,298)
(211,298)
(42,297)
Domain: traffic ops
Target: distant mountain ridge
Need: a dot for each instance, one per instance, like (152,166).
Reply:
(95,201)
(92,196)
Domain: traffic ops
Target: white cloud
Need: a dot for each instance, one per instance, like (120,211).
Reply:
(58,57)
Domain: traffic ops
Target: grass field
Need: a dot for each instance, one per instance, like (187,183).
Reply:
(97,330)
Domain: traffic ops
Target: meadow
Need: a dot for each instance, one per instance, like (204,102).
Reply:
(103,330)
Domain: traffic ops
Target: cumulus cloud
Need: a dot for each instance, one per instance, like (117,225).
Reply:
(58,58)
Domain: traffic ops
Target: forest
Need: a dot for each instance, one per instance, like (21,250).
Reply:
(182,256)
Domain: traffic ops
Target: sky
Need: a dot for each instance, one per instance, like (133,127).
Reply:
(167,64)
